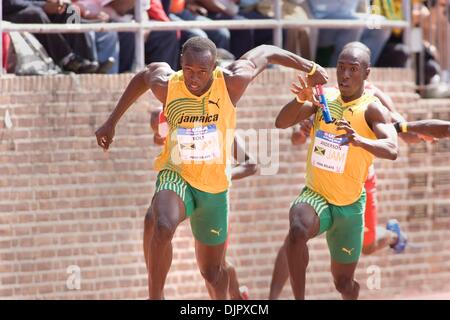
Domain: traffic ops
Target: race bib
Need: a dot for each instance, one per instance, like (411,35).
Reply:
(199,143)
(327,153)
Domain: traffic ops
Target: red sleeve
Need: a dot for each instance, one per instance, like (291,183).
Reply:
(156,11)
(4,37)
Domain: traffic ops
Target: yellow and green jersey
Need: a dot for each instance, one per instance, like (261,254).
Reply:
(335,171)
(201,132)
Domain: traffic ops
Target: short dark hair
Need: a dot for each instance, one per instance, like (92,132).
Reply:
(358,46)
(200,44)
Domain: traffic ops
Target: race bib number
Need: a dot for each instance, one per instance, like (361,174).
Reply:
(328,154)
(199,143)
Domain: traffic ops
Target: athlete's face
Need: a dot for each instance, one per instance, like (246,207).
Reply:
(352,70)
(198,70)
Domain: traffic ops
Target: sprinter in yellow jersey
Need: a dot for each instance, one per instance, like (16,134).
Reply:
(339,158)
(193,178)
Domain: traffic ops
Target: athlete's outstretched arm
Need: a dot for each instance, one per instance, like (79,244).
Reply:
(432,127)
(378,118)
(264,55)
(154,77)
(240,73)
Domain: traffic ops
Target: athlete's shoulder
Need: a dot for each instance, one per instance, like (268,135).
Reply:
(239,68)
(158,73)
(375,110)
(372,101)
(160,68)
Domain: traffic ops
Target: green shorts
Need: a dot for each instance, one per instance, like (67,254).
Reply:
(344,224)
(208,212)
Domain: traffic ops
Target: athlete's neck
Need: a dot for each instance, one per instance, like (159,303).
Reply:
(353,97)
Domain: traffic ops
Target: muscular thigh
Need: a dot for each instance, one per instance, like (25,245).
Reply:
(345,237)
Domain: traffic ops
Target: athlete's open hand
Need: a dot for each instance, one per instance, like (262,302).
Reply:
(350,135)
(105,135)
(304,91)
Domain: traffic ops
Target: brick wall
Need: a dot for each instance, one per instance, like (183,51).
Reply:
(64,202)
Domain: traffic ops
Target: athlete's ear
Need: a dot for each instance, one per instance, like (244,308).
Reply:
(367,73)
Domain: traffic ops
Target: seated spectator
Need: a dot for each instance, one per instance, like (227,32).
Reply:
(5,49)
(434,48)
(241,40)
(338,38)
(435,30)
(57,45)
(105,45)
(395,53)
(160,46)
(298,40)
(189,10)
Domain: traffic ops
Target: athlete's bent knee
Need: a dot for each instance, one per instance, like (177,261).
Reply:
(148,217)
(164,229)
(346,285)
(211,274)
(298,233)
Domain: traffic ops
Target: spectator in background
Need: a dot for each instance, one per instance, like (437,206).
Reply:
(122,11)
(161,46)
(57,45)
(189,10)
(434,30)
(5,49)
(433,19)
(300,40)
(395,53)
(241,40)
(105,45)
(338,38)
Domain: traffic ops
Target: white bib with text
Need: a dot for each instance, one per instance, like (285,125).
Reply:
(328,154)
(199,143)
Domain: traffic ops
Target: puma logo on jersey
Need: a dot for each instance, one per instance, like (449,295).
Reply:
(349,252)
(350,109)
(215,103)
(216,232)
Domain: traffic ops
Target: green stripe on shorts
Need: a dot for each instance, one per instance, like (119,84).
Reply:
(170,180)
(344,224)
(208,212)
(312,198)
